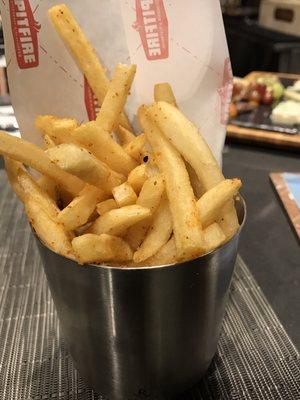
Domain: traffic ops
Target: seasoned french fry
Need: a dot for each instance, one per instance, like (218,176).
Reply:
(124,195)
(48,142)
(48,230)
(106,205)
(115,98)
(125,136)
(164,92)
(90,248)
(186,222)
(49,186)
(58,129)
(138,177)
(135,147)
(80,209)
(210,205)
(79,162)
(167,254)
(196,185)
(116,222)
(213,236)
(12,168)
(149,197)
(158,234)
(83,52)
(31,155)
(106,149)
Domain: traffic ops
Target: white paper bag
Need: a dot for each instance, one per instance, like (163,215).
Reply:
(180,42)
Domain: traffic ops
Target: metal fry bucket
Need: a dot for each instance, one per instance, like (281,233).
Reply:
(150,331)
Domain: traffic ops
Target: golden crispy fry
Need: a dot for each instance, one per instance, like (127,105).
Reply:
(48,142)
(186,222)
(115,98)
(167,254)
(228,220)
(12,170)
(49,186)
(210,205)
(213,236)
(138,177)
(31,155)
(135,147)
(58,129)
(124,195)
(101,144)
(106,205)
(164,92)
(90,248)
(149,197)
(125,136)
(48,230)
(83,52)
(78,161)
(77,213)
(116,222)
(158,234)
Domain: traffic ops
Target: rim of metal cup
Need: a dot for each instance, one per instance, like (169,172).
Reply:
(124,267)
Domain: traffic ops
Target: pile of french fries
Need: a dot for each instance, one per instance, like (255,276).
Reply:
(106,195)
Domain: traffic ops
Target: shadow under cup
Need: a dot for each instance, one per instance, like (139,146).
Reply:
(147,332)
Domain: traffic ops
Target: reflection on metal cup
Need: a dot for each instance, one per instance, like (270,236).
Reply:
(149,331)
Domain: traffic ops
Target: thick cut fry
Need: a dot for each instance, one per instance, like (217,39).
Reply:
(115,98)
(48,142)
(106,205)
(158,234)
(79,162)
(90,248)
(80,209)
(101,144)
(48,230)
(149,197)
(83,52)
(124,195)
(213,236)
(135,147)
(116,222)
(58,129)
(167,254)
(125,136)
(228,220)
(186,222)
(164,92)
(31,155)
(138,177)
(210,205)
(49,186)
(12,169)
(33,191)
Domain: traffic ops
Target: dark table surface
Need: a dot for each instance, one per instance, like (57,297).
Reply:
(269,245)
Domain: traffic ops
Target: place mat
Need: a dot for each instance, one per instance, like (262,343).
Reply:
(255,357)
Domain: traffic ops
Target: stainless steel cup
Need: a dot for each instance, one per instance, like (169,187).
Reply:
(150,331)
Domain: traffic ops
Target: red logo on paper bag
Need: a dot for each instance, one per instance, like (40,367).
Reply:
(25,32)
(152,25)
(91,102)
(225,91)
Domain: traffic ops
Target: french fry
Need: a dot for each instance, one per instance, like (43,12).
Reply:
(79,162)
(125,136)
(31,155)
(135,147)
(210,205)
(164,92)
(49,186)
(58,129)
(228,220)
(124,195)
(158,234)
(167,254)
(48,230)
(103,146)
(48,142)
(196,185)
(213,236)
(106,205)
(186,222)
(12,168)
(90,248)
(115,98)
(116,222)
(149,197)
(138,177)
(77,213)
(83,52)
